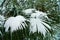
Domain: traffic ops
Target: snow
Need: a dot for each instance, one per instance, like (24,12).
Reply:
(15,23)
(28,11)
(36,22)
(8,23)
(37,25)
(3,8)
(40,15)
(35,13)
(17,0)
(1,1)
(46,25)
(2,19)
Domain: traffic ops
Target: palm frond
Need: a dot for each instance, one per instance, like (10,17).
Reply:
(37,23)
(15,23)
(28,11)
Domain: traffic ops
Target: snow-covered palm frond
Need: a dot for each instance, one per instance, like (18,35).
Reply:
(2,19)
(8,23)
(29,11)
(39,14)
(15,23)
(37,24)
(35,12)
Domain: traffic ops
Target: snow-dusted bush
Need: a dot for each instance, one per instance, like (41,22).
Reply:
(15,23)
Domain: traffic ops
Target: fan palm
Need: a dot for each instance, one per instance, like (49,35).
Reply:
(37,24)
(36,20)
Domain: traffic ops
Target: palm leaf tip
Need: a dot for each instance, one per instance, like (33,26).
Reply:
(15,23)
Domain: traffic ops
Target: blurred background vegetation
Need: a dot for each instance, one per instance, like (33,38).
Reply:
(14,7)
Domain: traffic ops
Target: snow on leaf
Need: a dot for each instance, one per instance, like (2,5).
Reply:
(46,25)
(29,11)
(2,19)
(15,23)
(37,24)
(42,16)
(8,23)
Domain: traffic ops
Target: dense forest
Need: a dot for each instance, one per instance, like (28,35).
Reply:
(29,19)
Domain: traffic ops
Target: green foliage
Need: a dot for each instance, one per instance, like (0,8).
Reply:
(14,8)
(49,6)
